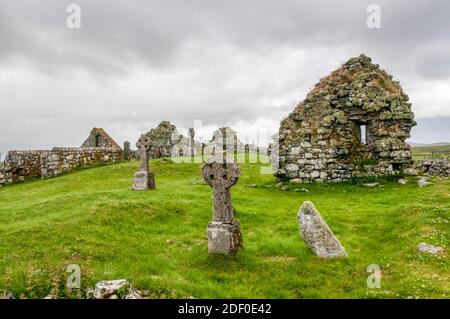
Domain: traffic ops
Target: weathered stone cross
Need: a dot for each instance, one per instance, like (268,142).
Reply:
(143,179)
(143,146)
(221,176)
(224,232)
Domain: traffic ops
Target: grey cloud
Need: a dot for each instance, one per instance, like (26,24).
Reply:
(120,33)
(134,63)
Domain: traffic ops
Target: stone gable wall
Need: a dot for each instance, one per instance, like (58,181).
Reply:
(99,138)
(320,140)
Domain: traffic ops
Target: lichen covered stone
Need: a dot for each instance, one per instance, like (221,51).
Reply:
(316,233)
(323,139)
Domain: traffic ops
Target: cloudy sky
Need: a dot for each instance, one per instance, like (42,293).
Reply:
(241,63)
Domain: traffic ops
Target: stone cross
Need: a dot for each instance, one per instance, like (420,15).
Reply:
(143,179)
(224,232)
(143,146)
(221,176)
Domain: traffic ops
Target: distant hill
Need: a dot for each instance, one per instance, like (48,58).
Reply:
(428,145)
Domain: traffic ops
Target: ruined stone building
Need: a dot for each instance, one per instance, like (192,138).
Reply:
(23,165)
(163,138)
(354,122)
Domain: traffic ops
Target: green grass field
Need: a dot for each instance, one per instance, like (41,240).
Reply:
(430,152)
(157,239)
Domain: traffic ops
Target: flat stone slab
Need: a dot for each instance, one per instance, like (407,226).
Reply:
(316,233)
(431,249)
(371,184)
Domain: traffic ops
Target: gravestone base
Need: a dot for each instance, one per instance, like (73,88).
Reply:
(143,180)
(224,238)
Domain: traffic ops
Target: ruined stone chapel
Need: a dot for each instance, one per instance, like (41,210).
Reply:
(354,122)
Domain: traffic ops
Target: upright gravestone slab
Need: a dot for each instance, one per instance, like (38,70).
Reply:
(224,232)
(143,179)
(126,151)
(203,150)
(191,142)
(316,233)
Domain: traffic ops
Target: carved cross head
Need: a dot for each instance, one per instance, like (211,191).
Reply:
(143,144)
(221,176)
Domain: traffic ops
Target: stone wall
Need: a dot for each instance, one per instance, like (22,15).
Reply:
(21,165)
(62,160)
(435,167)
(5,176)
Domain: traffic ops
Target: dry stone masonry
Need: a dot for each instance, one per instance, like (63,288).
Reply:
(5,176)
(99,138)
(354,122)
(224,232)
(436,167)
(22,165)
(163,139)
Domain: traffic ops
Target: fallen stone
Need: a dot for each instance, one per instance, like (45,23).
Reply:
(371,184)
(284,188)
(89,293)
(411,171)
(430,249)
(301,190)
(316,233)
(402,181)
(423,182)
(133,294)
(106,289)
(296,181)
(8,295)
(279,185)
